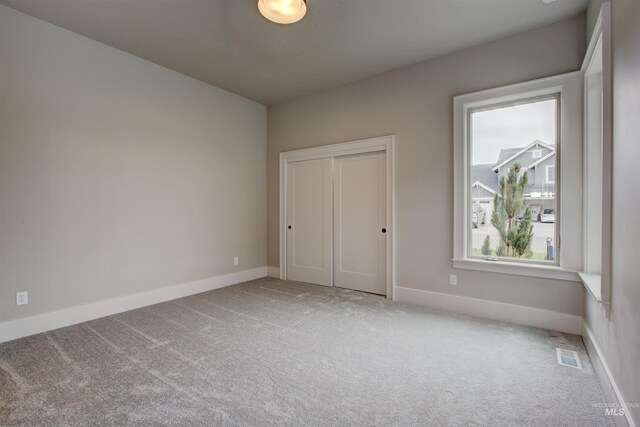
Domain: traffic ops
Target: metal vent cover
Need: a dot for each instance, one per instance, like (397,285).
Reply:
(568,358)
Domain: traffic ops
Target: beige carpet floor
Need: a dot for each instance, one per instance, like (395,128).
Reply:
(269,352)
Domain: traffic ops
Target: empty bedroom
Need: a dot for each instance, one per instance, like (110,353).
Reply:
(319,212)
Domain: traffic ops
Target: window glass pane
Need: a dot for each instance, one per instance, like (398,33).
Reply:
(513,181)
(551,174)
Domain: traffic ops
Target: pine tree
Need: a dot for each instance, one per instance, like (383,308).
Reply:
(486,246)
(515,236)
(522,234)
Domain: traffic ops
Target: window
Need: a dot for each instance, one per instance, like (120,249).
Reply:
(550,174)
(597,155)
(508,171)
(503,138)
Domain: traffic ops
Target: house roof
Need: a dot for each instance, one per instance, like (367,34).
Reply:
(484,174)
(481,185)
(507,155)
(542,159)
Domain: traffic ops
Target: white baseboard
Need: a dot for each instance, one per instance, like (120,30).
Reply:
(608,383)
(519,314)
(273,272)
(19,328)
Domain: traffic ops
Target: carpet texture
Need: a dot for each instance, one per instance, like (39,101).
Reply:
(270,352)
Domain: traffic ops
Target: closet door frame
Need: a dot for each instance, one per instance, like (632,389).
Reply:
(384,144)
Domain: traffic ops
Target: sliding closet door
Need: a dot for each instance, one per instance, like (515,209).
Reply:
(360,223)
(309,221)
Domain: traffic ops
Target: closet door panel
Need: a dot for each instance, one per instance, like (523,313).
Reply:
(309,221)
(360,222)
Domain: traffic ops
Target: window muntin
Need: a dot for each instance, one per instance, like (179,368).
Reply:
(521,135)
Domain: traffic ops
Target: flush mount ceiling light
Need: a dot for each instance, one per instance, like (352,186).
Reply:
(283,11)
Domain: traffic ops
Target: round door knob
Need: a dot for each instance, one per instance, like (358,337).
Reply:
(289,227)
(384,230)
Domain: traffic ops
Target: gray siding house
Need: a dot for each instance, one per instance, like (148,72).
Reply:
(537,159)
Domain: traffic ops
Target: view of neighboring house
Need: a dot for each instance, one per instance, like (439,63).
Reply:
(537,159)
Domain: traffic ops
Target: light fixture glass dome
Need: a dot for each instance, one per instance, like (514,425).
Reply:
(283,11)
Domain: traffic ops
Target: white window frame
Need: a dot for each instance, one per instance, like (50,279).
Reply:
(599,285)
(546,174)
(499,103)
(568,88)
(536,154)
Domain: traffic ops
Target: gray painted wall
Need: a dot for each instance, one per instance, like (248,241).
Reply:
(117,175)
(619,337)
(415,104)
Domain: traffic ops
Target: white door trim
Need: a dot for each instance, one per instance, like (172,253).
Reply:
(383,143)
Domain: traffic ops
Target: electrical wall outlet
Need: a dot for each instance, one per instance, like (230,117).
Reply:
(453,280)
(235,260)
(22,298)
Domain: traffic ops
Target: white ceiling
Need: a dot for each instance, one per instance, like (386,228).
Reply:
(229,44)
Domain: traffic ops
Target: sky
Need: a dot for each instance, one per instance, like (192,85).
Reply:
(511,127)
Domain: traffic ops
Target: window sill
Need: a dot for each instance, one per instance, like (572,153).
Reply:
(517,269)
(593,283)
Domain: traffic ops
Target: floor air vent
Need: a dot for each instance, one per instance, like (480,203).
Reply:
(568,358)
